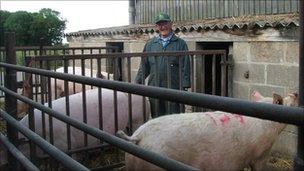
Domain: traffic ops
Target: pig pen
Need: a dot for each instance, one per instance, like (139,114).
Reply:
(149,91)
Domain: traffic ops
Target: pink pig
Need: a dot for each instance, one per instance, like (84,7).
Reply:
(210,140)
(58,85)
(59,128)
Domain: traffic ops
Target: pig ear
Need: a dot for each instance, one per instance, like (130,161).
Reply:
(294,97)
(256,96)
(26,86)
(277,99)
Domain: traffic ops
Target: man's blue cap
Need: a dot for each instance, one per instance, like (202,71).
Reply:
(162,17)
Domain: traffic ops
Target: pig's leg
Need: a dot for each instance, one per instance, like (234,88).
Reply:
(260,163)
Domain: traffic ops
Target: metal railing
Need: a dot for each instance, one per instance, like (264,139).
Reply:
(259,110)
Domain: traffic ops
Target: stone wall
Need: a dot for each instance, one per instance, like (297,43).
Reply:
(272,67)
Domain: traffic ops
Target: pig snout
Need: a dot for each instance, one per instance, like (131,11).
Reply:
(256,96)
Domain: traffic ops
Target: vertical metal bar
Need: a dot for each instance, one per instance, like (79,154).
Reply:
(203,76)
(115,110)
(91,64)
(115,75)
(143,82)
(99,97)
(157,84)
(84,101)
(36,82)
(180,74)
(168,74)
(192,75)
(52,163)
(67,101)
(50,104)
(223,75)
(11,102)
(42,92)
(130,96)
(73,61)
(299,159)
(55,82)
(31,118)
(213,74)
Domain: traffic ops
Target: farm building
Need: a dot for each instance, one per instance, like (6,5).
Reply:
(260,38)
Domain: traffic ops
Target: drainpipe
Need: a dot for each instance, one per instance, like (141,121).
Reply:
(131,12)
(299,161)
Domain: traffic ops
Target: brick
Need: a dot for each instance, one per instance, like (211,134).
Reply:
(267,51)
(257,73)
(292,52)
(283,75)
(239,70)
(241,91)
(240,51)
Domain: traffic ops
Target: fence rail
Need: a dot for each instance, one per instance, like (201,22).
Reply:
(284,114)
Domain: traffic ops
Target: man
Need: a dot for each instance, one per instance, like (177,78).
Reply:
(156,67)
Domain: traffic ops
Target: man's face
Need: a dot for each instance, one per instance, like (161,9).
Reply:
(164,28)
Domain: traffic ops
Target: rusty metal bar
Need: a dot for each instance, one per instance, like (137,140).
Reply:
(10,102)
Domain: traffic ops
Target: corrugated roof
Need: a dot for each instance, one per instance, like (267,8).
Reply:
(244,22)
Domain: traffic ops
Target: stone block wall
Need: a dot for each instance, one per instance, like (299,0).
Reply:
(271,67)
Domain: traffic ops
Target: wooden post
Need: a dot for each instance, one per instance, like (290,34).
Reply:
(11,102)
